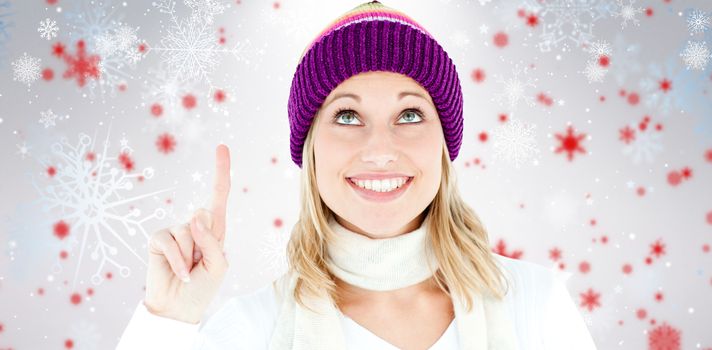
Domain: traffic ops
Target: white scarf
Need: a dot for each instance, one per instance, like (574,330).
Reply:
(381,264)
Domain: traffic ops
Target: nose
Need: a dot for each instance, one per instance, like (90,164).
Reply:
(380,148)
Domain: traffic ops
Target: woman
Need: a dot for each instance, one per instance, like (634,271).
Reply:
(386,254)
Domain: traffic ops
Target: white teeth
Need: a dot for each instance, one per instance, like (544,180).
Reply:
(386,185)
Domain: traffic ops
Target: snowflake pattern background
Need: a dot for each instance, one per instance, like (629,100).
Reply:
(587,147)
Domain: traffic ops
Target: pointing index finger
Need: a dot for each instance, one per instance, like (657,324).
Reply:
(221,189)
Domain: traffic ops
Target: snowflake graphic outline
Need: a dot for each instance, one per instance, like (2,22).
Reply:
(515,142)
(87,192)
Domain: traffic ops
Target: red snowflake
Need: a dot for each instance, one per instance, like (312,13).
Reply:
(532,20)
(604,61)
(166,143)
(483,136)
(665,85)
(657,248)
(633,98)
(627,134)
(220,96)
(708,155)
(58,49)
(500,39)
(61,229)
(478,75)
(555,254)
(501,249)
(544,99)
(75,298)
(189,101)
(590,299)
(156,110)
(664,337)
(570,143)
(126,162)
(79,66)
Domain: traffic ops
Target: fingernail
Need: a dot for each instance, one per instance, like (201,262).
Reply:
(196,255)
(185,276)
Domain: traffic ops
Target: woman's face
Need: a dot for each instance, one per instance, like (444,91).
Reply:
(373,125)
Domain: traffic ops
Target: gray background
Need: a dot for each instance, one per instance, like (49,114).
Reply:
(539,203)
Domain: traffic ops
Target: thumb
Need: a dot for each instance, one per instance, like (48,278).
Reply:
(213,257)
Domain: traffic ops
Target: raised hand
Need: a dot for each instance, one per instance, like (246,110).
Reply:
(186,262)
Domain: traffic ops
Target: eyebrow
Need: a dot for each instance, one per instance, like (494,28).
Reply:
(358,98)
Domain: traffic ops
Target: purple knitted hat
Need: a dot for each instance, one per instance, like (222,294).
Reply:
(373,37)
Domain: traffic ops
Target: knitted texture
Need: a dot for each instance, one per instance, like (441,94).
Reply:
(373,37)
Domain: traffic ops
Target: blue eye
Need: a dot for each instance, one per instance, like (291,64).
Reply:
(415,111)
(340,113)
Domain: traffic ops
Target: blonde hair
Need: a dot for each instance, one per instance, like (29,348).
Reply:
(459,240)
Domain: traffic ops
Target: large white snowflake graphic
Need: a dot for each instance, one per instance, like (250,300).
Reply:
(515,142)
(567,21)
(88,193)
(190,48)
(628,12)
(515,88)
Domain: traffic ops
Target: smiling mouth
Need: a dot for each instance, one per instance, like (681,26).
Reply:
(406,183)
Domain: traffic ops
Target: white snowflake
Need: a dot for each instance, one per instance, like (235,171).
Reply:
(23,149)
(645,145)
(48,29)
(89,19)
(26,69)
(594,72)
(598,48)
(163,87)
(697,22)
(515,88)
(88,192)
(119,51)
(48,118)
(628,12)
(206,10)
(484,29)
(515,142)
(566,20)
(274,250)
(190,48)
(696,55)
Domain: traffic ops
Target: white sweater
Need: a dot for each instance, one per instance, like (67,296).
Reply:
(539,304)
